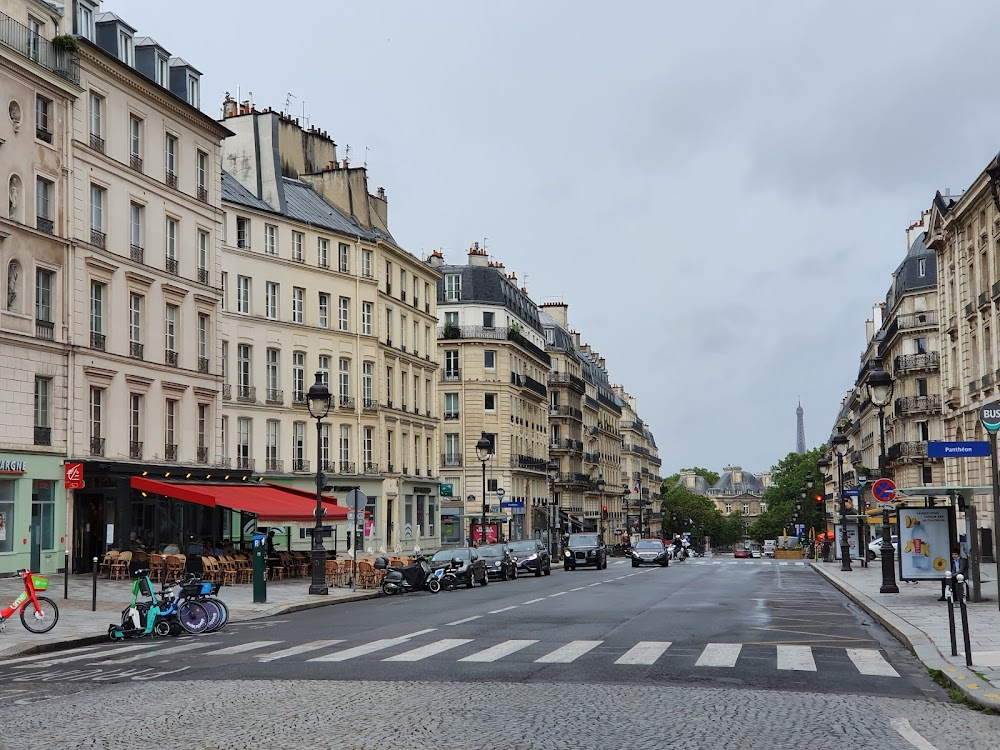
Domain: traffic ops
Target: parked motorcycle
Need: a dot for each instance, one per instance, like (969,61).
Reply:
(413,577)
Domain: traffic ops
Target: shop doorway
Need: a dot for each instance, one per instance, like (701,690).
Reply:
(388,524)
(88,531)
(35,537)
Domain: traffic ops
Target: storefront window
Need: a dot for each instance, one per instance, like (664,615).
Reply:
(451,528)
(431,515)
(408,517)
(6,516)
(44,510)
(421,528)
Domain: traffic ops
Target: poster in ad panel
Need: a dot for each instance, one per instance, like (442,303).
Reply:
(852,540)
(924,543)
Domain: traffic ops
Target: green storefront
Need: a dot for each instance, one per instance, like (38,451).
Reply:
(32,513)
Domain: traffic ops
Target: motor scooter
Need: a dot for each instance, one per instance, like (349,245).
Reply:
(407,578)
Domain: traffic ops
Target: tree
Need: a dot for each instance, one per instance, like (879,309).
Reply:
(788,477)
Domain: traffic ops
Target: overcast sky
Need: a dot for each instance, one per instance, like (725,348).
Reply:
(719,190)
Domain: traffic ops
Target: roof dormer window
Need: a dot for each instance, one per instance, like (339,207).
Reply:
(162,71)
(193,90)
(125,52)
(85,21)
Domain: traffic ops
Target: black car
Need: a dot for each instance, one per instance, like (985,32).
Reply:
(530,555)
(499,563)
(464,563)
(585,549)
(650,552)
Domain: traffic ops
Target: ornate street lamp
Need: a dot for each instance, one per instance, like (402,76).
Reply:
(824,465)
(552,469)
(600,512)
(838,442)
(319,406)
(484,450)
(880,392)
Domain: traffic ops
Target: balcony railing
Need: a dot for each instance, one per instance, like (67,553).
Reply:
(227,392)
(170,357)
(565,378)
(202,454)
(170,452)
(44,224)
(203,194)
(483,332)
(171,266)
(203,364)
(98,238)
(135,162)
(224,462)
(27,43)
(242,462)
(926,361)
(136,253)
(97,340)
(530,462)
(372,468)
(275,396)
(452,375)
(43,436)
(96,446)
(451,459)
(908,450)
(451,415)
(984,299)
(170,179)
(135,349)
(298,397)
(97,142)
(919,404)
(564,410)
(347,402)
(347,467)
(45,329)
(371,404)
(566,444)
(246,393)
(135,449)
(300,464)
(203,275)
(274,464)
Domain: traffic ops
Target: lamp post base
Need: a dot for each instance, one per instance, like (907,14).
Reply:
(845,557)
(888,570)
(318,585)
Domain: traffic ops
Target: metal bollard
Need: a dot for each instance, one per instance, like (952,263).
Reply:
(965,619)
(66,576)
(949,594)
(93,604)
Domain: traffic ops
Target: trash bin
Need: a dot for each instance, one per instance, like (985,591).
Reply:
(259,569)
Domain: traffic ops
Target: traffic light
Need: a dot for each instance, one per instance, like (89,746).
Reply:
(604,512)
(819,504)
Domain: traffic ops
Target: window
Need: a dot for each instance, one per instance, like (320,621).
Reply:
(135,318)
(43,411)
(170,429)
(367,378)
(324,310)
(125,48)
(451,371)
(416,335)
(162,71)
(490,401)
(203,426)
(298,446)
(43,110)
(34,38)
(921,386)
(170,233)
(193,91)
(202,342)
(85,28)
(388,385)
(345,443)
(170,332)
(388,277)
(323,253)
(170,160)
(763,507)
(489,319)
(367,447)
(452,287)
(366,318)
(43,295)
(135,425)
(343,253)
(96,421)
(98,198)
(271,446)
(43,203)
(452,450)
(298,377)
(243,294)
(416,301)
(202,172)
(135,216)
(451,319)
(203,256)
(298,304)
(920,345)
(923,431)
(366,263)
(324,445)
(388,449)
(244,353)
(402,332)
(729,508)
(922,267)
(343,313)
(271,300)
(243,232)
(97,293)
(224,436)
(135,142)
(297,239)
(345,378)
(427,297)
(324,369)
(272,364)
(270,239)
(490,359)
(451,406)
(224,361)
(97,121)
(746,509)
(224,290)
(402,284)
(243,443)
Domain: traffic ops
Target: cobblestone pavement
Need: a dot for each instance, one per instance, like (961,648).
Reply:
(430,716)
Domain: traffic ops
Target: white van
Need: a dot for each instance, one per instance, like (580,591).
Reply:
(769,546)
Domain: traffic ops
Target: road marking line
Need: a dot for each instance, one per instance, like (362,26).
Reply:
(596,583)
(499,651)
(911,735)
(798,658)
(578,588)
(366,648)
(294,650)
(719,655)
(532,601)
(781,563)
(871,661)
(467,619)
(419,632)
(48,656)
(155,652)
(430,649)
(610,580)
(717,562)
(505,609)
(570,652)
(239,649)
(78,656)
(557,594)
(620,578)
(644,652)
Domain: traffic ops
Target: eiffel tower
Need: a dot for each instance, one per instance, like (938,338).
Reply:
(800,431)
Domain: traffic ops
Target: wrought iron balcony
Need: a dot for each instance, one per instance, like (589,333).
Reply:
(372,468)
(135,350)
(246,393)
(347,467)
(25,42)
(494,333)
(274,464)
(202,454)
(45,329)
(566,444)
(912,362)
(224,463)
(298,397)
(170,179)
(97,142)
(203,275)
(170,452)
(328,465)
(274,396)
(171,266)
(347,402)
(452,375)
(530,462)
(564,410)
(370,404)
(135,449)
(136,253)
(984,300)
(43,435)
(203,364)
(97,340)
(450,415)
(44,224)
(451,459)
(203,194)
(96,446)
(227,392)
(170,357)
(243,462)
(970,308)
(98,238)
(135,162)
(919,404)
(300,464)
(907,450)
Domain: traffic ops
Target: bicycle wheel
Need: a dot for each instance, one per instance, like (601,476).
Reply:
(223,609)
(42,619)
(214,615)
(193,617)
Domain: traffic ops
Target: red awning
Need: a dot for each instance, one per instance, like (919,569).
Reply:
(272,504)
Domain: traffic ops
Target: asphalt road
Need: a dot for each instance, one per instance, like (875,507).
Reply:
(712,640)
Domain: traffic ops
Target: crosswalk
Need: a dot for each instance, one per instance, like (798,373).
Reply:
(132,661)
(744,562)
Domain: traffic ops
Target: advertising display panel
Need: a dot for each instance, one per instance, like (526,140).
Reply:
(852,540)
(925,536)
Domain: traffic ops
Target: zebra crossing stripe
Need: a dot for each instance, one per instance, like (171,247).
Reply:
(798,658)
(568,653)
(362,650)
(155,652)
(644,652)
(431,649)
(719,655)
(239,649)
(499,651)
(76,656)
(870,661)
(45,656)
(301,649)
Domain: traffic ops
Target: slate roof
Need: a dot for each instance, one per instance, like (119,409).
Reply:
(751,484)
(234,192)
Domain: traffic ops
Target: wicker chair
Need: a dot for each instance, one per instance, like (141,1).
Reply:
(119,568)
(109,559)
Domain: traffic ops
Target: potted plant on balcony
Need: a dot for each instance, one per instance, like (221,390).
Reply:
(452,331)
(65,43)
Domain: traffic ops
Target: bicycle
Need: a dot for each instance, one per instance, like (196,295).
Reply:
(39,614)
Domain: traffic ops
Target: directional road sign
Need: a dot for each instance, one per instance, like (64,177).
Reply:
(884,491)
(968,449)
(852,492)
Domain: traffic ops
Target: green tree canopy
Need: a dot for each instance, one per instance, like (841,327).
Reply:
(788,477)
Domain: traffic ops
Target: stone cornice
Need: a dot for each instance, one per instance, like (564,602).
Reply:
(99,373)
(205,392)
(170,387)
(94,262)
(174,291)
(138,278)
(138,381)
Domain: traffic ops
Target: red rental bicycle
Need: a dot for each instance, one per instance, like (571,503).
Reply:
(39,614)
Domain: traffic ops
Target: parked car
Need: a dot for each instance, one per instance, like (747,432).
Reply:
(584,549)
(650,552)
(742,552)
(875,546)
(530,556)
(499,563)
(466,564)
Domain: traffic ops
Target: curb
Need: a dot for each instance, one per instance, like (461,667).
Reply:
(278,610)
(921,646)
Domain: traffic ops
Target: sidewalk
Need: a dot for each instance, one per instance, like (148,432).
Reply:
(79,626)
(920,622)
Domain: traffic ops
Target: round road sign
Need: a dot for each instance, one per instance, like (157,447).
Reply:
(884,491)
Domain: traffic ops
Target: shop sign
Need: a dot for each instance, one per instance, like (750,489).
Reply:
(12,467)
(74,476)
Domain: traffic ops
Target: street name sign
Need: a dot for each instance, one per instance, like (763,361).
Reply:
(852,492)
(968,449)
